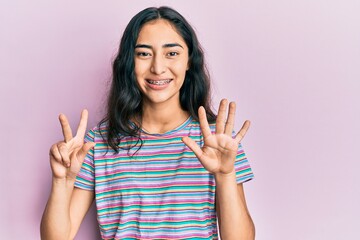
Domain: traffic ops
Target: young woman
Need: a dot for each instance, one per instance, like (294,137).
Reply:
(160,165)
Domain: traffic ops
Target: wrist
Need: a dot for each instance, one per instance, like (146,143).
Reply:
(231,176)
(62,189)
(63,181)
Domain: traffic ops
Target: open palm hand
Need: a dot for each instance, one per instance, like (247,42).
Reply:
(219,150)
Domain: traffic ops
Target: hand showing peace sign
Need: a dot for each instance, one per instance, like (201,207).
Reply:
(220,149)
(67,156)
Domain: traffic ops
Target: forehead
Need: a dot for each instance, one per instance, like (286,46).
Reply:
(159,32)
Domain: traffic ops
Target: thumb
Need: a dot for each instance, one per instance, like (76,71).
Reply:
(193,146)
(197,150)
(84,150)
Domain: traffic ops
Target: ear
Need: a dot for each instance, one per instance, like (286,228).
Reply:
(188,65)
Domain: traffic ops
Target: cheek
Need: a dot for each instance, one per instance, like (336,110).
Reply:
(180,67)
(137,68)
(140,67)
(138,74)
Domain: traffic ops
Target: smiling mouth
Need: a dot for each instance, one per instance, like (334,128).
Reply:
(159,82)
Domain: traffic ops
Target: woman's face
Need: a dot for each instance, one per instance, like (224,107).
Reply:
(161,61)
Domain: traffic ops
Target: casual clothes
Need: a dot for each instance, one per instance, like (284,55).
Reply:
(161,192)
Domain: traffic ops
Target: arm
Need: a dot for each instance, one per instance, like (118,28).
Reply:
(67,205)
(65,210)
(218,157)
(233,216)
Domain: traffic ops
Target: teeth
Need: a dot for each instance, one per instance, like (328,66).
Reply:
(161,82)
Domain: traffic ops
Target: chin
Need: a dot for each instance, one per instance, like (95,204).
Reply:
(163,99)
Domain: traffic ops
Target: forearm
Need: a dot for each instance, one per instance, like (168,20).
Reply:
(234,219)
(55,223)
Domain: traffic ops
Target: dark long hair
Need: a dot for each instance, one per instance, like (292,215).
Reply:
(125,98)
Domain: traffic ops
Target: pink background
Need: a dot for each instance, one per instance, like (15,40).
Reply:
(293,67)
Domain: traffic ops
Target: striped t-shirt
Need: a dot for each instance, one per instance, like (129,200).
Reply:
(162,192)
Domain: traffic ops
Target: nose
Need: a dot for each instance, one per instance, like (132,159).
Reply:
(158,65)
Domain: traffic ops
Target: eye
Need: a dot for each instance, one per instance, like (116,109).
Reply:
(142,54)
(172,54)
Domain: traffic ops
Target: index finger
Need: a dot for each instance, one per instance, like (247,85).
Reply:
(220,119)
(83,124)
(65,127)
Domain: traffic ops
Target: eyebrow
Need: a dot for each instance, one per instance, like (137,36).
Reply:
(167,45)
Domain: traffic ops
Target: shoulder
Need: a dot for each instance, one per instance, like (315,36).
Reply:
(194,125)
(98,131)
(195,122)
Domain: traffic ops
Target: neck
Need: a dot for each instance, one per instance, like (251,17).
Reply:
(162,118)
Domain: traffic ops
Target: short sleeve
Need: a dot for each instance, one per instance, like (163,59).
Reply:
(86,176)
(243,169)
